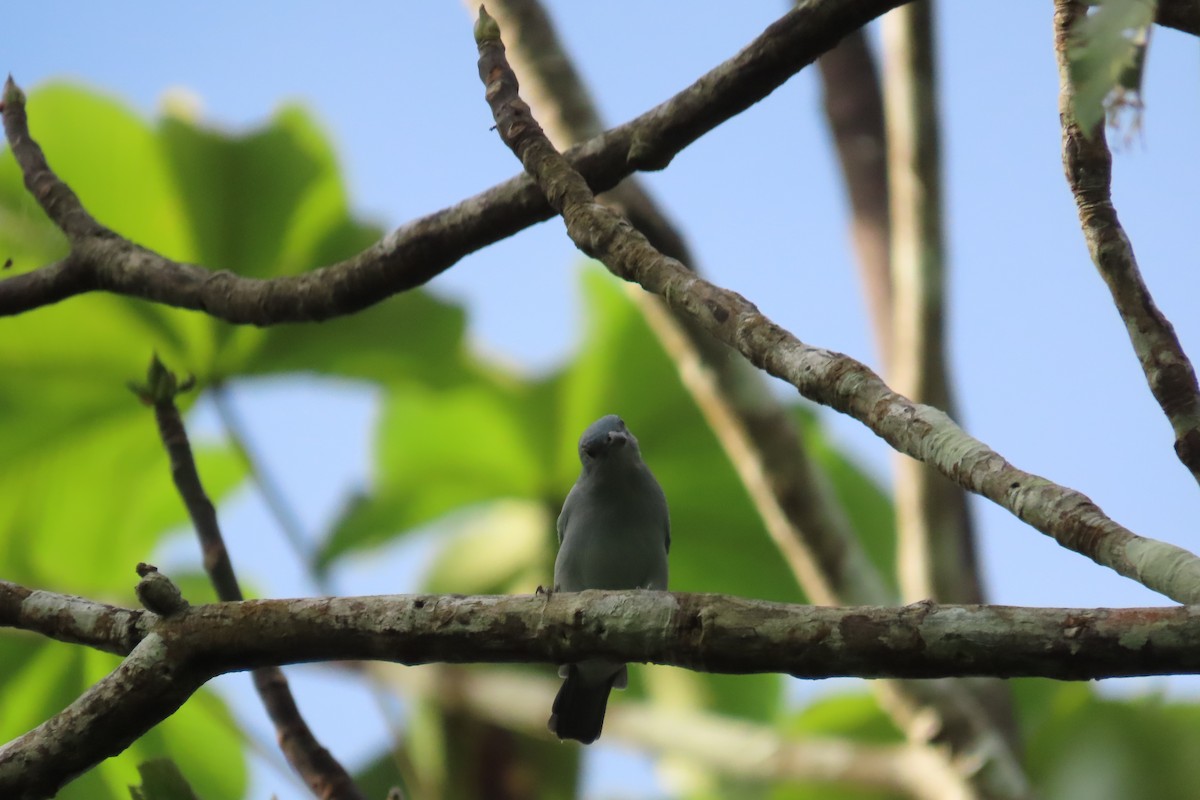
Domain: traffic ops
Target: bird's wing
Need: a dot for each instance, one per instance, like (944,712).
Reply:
(564,514)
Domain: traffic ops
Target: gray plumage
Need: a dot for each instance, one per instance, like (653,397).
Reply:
(613,533)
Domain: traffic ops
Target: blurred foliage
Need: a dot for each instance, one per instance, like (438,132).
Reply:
(162,780)
(1107,59)
(471,453)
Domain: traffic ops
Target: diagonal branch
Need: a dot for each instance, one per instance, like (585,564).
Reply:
(1088,165)
(826,377)
(763,444)
(323,774)
(806,523)
(408,257)
(144,690)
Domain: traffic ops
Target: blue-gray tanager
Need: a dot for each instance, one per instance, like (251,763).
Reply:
(613,533)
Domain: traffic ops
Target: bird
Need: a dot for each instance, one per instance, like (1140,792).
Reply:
(614,532)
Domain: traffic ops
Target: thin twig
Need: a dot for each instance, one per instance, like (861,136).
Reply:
(325,776)
(1088,165)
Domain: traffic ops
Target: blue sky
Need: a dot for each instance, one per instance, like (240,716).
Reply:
(1041,363)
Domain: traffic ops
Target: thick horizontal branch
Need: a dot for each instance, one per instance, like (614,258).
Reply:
(70,619)
(823,376)
(173,656)
(704,632)
(102,260)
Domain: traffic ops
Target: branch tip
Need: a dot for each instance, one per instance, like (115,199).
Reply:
(486,28)
(162,385)
(157,593)
(12,94)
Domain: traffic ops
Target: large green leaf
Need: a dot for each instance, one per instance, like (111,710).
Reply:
(413,338)
(442,451)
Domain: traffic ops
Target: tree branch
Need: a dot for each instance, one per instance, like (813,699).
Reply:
(701,632)
(145,689)
(71,619)
(829,378)
(763,444)
(175,655)
(789,491)
(322,773)
(416,252)
(1182,15)
(935,536)
(1088,165)
(853,103)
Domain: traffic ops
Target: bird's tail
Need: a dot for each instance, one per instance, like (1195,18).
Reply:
(578,710)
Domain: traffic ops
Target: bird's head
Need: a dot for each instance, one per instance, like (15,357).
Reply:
(606,439)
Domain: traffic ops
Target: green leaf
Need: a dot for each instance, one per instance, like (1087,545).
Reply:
(1104,47)
(90,544)
(441,451)
(161,780)
(255,204)
(411,338)
(852,714)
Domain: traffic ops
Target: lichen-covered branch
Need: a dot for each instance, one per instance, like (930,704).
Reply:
(704,632)
(69,619)
(1088,165)
(145,689)
(174,655)
(826,377)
